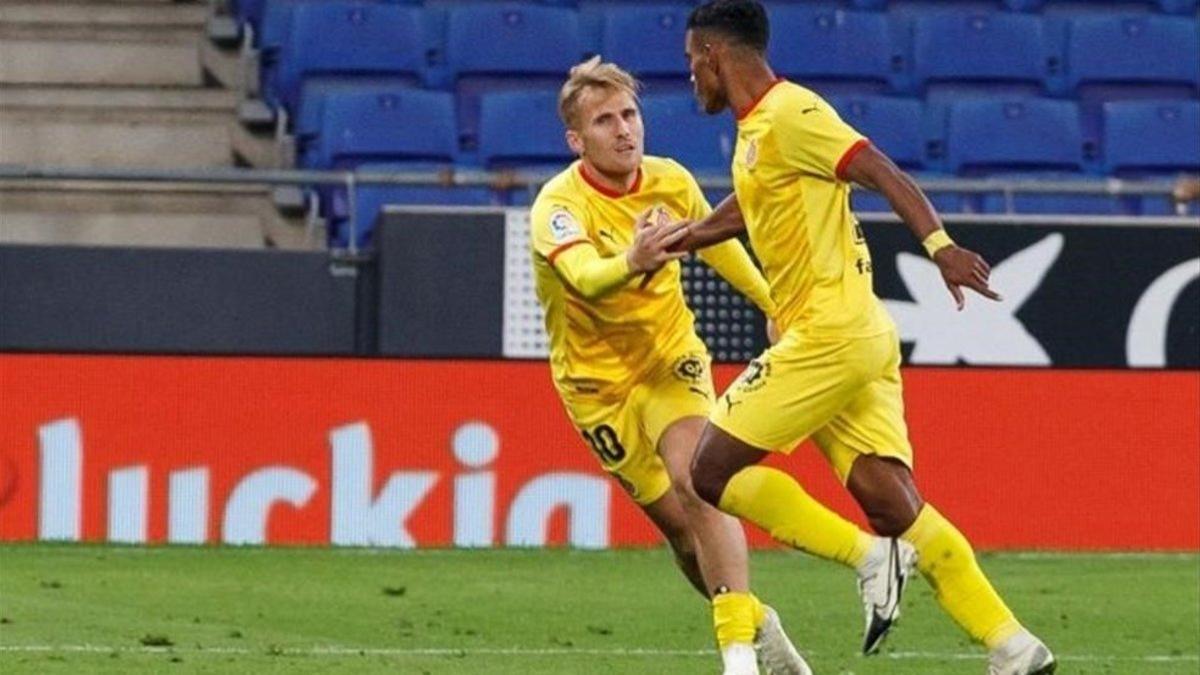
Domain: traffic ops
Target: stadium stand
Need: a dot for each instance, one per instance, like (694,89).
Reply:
(677,128)
(955,51)
(1151,136)
(914,75)
(833,50)
(330,44)
(503,47)
(988,136)
(647,40)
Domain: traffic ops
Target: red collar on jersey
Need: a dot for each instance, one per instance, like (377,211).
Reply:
(741,114)
(606,191)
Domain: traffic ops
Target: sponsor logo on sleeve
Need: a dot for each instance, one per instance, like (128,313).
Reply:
(563,226)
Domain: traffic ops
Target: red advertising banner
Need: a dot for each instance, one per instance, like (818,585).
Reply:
(479,453)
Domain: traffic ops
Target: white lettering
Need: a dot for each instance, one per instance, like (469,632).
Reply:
(475,445)
(357,521)
(250,502)
(61,492)
(586,497)
(187,515)
(127,515)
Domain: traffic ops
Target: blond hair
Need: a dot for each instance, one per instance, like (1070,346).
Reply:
(592,73)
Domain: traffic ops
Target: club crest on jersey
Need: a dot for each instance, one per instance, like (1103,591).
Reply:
(690,368)
(754,376)
(751,153)
(661,215)
(563,225)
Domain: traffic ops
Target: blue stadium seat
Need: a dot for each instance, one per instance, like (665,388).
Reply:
(1152,136)
(1167,6)
(253,14)
(347,39)
(369,200)
(521,128)
(402,125)
(310,111)
(647,40)
(894,125)
(953,51)
(359,128)
(677,128)
(832,50)
(1146,50)
(506,46)
(869,5)
(1017,134)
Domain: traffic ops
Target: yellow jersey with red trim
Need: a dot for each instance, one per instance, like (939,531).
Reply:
(792,149)
(600,347)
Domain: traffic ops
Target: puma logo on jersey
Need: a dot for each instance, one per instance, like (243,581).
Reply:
(808,110)
(729,403)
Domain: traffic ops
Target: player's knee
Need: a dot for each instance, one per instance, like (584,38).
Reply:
(890,519)
(708,484)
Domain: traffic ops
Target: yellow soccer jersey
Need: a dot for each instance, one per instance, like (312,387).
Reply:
(603,345)
(791,150)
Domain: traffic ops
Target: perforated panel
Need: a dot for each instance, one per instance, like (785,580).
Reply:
(524,326)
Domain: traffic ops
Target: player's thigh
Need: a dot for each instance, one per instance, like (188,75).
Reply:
(791,390)
(872,423)
(615,433)
(677,404)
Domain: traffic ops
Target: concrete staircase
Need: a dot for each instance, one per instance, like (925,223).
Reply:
(85,83)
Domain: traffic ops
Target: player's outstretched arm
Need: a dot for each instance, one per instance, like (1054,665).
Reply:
(725,222)
(593,276)
(959,266)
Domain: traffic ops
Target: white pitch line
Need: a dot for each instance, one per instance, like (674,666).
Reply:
(337,650)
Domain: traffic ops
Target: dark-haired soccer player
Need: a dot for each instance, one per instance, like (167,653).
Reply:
(834,375)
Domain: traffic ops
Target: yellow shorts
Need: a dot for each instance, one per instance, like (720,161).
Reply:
(845,394)
(624,434)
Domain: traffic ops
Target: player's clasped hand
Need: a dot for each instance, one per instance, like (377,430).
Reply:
(964,267)
(651,242)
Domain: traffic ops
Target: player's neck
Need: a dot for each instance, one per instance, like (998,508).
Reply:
(747,82)
(609,183)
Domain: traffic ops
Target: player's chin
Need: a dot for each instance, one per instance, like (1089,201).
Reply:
(714,105)
(628,161)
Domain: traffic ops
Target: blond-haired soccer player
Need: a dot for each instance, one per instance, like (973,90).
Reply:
(632,373)
(834,376)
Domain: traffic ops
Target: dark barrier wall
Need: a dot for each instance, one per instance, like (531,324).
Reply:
(441,285)
(1103,296)
(1071,296)
(1111,296)
(156,300)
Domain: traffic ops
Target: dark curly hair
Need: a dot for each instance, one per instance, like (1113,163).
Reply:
(742,21)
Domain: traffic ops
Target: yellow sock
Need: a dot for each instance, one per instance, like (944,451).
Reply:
(946,560)
(736,617)
(775,502)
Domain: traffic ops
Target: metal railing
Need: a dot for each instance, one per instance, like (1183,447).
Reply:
(509,179)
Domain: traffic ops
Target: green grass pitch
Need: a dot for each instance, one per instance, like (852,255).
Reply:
(103,609)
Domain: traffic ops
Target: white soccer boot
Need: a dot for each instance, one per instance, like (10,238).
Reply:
(739,659)
(1021,654)
(775,651)
(882,577)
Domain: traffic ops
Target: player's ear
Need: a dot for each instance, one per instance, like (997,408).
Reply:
(574,142)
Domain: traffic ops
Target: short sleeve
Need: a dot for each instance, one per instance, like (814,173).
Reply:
(813,139)
(556,225)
